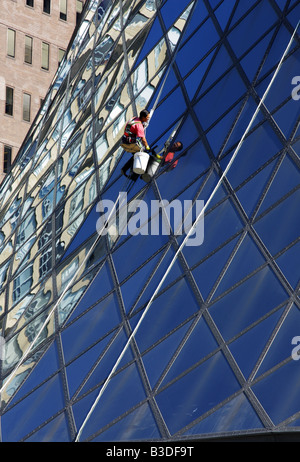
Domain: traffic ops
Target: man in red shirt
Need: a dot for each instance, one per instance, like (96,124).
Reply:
(177,146)
(134,138)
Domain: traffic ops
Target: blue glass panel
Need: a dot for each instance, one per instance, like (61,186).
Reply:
(165,313)
(207,273)
(219,98)
(247,258)
(247,303)
(188,133)
(219,66)
(243,121)
(134,251)
(287,178)
(193,80)
(284,221)
(123,392)
(151,40)
(219,225)
(223,12)
(200,13)
(236,415)
(54,432)
(175,272)
(281,346)
(207,36)
(252,26)
(253,59)
(250,193)
(78,369)
(192,395)
(47,365)
(277,392)
(87,228)
(104,317)
(101,285)
(241,9)
(289,264)
(172,182)
(170,11)
(294,15)
(165,114)
(138,425)
(157,359)
(256,149)
(108,361)
(282,85)
(20,420)
(200,343)
(247,348)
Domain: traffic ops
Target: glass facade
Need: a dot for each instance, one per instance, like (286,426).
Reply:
(114,336)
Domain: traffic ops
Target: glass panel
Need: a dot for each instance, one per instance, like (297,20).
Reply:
(159,322)
(247,303)
(236,415)
(138,425)
(26,107)
(28,49)
(248,348)
(157,358)
(118,399)
(244,34)
(200,343)
(192,395)
(16,428)
(11,38)
(284,219)
(281,347)
(45,56)
(276,392)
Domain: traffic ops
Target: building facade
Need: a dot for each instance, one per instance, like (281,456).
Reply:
(34,35)
(165,308)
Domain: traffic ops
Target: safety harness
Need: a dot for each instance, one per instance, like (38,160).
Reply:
(129,137)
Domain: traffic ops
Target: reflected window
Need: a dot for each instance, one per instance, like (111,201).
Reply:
(22,283)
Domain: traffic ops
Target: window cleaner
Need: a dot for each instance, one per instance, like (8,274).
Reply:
(134,141)
(163,158)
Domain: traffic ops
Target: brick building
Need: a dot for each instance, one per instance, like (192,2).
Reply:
(34,35)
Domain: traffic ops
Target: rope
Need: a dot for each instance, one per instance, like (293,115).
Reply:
(184,242)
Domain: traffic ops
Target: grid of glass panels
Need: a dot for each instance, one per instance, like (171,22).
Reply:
(213,354)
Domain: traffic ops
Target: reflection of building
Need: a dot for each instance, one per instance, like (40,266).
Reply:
(212,356)
(36,34)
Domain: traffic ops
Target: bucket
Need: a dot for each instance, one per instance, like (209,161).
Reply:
(140,161)
(152,168)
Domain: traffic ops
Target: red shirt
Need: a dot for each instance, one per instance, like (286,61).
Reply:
(136,128)
(169,157)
